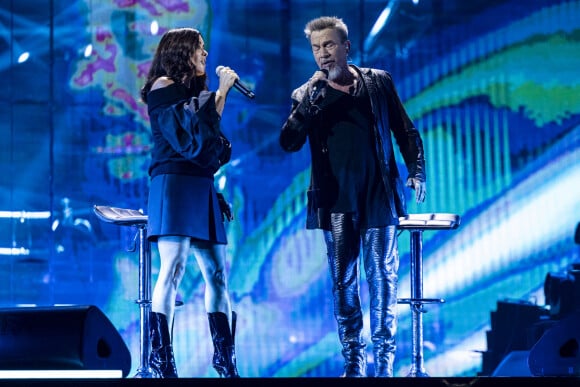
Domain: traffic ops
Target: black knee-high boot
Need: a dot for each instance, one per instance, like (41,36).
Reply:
(224,357)
(353,349)
(350,323)
(342,245)
(381,265)
(161,359)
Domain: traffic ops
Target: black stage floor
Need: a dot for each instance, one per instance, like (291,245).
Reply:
(306,382)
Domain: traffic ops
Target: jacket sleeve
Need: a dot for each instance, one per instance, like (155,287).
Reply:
(295,130)
(192,129)
(406,135)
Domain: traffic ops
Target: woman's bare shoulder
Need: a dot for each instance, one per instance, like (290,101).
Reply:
(161,82)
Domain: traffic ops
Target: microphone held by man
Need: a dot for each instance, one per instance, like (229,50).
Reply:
(238,85)
(318,85)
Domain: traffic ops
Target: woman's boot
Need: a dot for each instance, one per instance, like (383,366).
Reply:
(224,357)
(161,359)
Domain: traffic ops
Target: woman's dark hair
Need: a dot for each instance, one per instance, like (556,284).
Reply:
(173,60)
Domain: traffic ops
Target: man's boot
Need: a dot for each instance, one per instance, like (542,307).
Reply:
(342,243)
(348,314)
(355,359)
(381,265)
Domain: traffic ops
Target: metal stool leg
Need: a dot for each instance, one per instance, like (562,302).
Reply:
(144,301)
(416,224)
(134,218)
(417,366)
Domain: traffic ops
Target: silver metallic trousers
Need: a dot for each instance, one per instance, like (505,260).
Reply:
(381,263)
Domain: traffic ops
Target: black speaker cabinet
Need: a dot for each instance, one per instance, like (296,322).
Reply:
(556,353)
(60,338)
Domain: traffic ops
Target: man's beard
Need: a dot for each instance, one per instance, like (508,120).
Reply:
(337,73)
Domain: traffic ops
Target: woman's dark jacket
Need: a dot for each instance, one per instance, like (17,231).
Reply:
(186,133)
(389,116)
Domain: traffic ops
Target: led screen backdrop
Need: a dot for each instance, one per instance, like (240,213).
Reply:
(493,86)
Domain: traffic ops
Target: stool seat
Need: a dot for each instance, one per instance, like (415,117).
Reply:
(120,216)
(429,221)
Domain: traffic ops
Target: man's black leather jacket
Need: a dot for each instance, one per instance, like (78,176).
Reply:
(389,117)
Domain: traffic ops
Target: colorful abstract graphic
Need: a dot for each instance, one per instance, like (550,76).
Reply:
(496,96)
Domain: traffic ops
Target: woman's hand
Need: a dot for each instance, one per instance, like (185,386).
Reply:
(227,78)
(225,208)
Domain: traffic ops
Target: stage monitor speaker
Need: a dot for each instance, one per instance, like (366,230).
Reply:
(60,338)
(556,353)
(514,364)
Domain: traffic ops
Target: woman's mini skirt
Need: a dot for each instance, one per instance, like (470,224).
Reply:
(183,205)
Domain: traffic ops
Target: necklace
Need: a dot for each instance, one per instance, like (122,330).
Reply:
(352,88)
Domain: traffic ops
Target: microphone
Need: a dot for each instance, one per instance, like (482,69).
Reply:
(237,84)
(318,87)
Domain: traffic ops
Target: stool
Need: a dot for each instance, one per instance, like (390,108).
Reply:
(416,224)
(134,218)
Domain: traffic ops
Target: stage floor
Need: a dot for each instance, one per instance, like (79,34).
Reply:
(306,382)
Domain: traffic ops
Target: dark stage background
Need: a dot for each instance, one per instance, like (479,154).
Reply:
(493,86)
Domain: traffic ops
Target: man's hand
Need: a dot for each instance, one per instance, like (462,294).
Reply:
(225,208)
(317,85)
(419,187)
